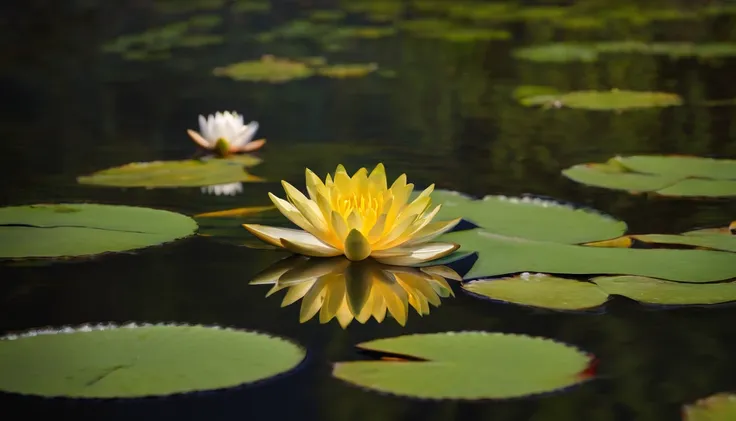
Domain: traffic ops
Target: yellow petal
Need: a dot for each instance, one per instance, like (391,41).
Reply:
(355,222)
(312,301)
(432,231)
(299,238)
(344,316)
(334,296)
(377,178)
(418,285)
(394,296)
(339,227)
(409,233)
(309,249)
(314,184)
(356,246)
(314,268)
(291,212)
(272,273)
(309,210)
(405,256)
(442,271)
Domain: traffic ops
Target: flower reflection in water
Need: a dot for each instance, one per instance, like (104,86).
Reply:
(339,288)
(229,189)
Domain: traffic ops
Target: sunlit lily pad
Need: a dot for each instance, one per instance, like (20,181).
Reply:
(471,365)
(540,290)
(267,69)
(327,15)
(605,100)
(529,217)
(665,175)
(499,255)
(657,291)
(590,52)
(341,71)
(139,360)
(68,230)
(719,407)
(558,52)
(168,174)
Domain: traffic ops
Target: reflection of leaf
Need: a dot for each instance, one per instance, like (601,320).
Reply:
(540,290)
(605,100)
(337,287)
(42,231)
(467,365)
(499,255)
(529,217)
(135,361)
(665,175)
(188,173)
(719,407)
(235,212)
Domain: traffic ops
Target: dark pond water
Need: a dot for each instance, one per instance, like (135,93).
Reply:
(447,117)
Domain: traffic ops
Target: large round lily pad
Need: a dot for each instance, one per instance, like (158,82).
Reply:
(540,290)
(500,255)
(529,217)
(468,365)
(187,173)
(65,230)
(683,176)
(135,361)
(268,69)
(719,407)
(657,291)
(605,100)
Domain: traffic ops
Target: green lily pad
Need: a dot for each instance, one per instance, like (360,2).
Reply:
(681,166)
(685,176)
(540,290)
(471,365)
(719,407)
(66,230)
(657,291)
(341,71)
(499,255)
(614,177)
(169,174)
(529,217)
(557,52)
(267,69)
(139,360)
(713,241)
(606,100)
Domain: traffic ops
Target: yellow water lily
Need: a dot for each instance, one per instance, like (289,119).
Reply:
(359,217)
(339,288)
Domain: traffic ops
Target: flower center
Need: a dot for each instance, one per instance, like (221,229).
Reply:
(362,204)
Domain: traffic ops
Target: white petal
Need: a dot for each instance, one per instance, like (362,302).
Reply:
(246,134)
(302,241)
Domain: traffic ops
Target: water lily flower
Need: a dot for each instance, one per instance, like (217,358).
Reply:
(226,134)
(229,189)
(339,288)
(359,217)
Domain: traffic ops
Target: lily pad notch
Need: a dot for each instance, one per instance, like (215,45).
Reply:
(138,361)
(473,366)
(76,230)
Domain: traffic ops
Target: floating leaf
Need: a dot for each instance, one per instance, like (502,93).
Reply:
(614,177)
(681,166)
(606,100)
(139,360)
(719,407)
(540,290)
(499,255)
(471,365)
(267,69)
(684,176)
(339,288)
(526,91)
(235,212)
(168,174)
(529,217)
(65,230)
(657,291)
(327,15)
(558,52)
(713,241)
(341,71)
(577,52)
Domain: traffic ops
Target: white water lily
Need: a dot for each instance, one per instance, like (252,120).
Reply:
(230,189)
(226,133)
